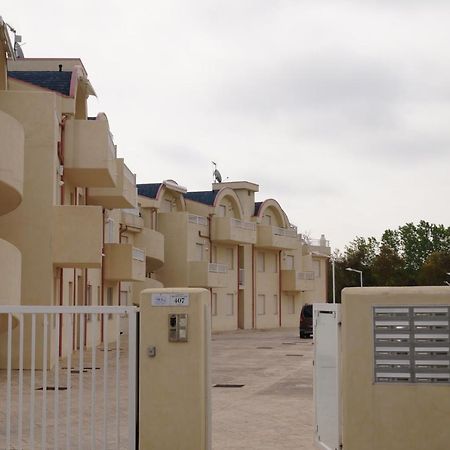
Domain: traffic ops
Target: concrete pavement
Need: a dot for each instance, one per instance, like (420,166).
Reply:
(274,408)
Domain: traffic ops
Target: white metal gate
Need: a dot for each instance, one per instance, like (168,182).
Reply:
(326,375)
(67,377)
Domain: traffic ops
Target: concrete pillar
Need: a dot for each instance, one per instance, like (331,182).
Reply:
(174,369)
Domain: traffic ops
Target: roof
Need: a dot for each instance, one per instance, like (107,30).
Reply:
(149,190)
(257,206)
(54,81)
(206,197)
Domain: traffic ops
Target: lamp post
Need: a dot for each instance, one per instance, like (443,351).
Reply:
(333,271)
(357,271)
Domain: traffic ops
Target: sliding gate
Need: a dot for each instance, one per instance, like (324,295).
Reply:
(53,396)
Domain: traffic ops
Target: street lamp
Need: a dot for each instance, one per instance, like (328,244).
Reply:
(333,271)
(357,271)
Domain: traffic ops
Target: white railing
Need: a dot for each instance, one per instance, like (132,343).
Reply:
(317,242)
(198,220)
(305,275)
(217,268)
(243,225)
(288,232)
(138,254)
(241,277)
(77,350)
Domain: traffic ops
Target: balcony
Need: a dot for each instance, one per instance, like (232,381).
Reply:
(77,236)
(152,242)
(123,195)
(10,278)
(132,220)
(293,281)
(123,262)
(321,245)
(11,163)
(276,238)
(207,275)
(89,153)
(233,231)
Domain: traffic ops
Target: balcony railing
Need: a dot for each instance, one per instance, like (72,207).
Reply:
(138,254)
(243,225)
(198,220)
(317,242)
(217,268)
(288,232)
(305,275)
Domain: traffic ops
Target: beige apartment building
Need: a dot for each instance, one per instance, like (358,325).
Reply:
(66,233)
(74,232)
(259,270)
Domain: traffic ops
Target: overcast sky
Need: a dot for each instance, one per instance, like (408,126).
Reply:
(338,109)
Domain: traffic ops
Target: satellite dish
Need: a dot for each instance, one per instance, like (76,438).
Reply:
(217,176)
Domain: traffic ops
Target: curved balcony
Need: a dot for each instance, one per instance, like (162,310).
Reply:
(11,163)
(229,230)
(10,278)
(276,238)
(153,243)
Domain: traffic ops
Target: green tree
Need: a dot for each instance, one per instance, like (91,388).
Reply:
(434,270)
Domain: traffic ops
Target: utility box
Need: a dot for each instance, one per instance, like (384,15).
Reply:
(382,370)
(174,369)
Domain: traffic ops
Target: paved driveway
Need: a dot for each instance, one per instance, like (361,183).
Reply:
(274,408)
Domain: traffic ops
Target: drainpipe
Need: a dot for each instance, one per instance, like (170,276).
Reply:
(121,231)
(253,287)
(102,280)
(279,288)
(60,154)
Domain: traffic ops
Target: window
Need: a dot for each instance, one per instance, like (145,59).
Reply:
(289,262)
(316,265)
(222,211)
(166,206)
(275,304)
(261,305)
(124,298)
(230,258)
(98,301)
(109,299)
(230,304)
(260,262)
(214,304)
(291,304)
(267,219)
(199,251)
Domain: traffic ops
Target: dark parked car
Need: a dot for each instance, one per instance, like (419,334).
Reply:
(306,321)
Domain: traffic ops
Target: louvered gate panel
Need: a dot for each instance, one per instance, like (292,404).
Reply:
(411,344)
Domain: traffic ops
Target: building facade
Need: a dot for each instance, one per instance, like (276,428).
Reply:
(258,269)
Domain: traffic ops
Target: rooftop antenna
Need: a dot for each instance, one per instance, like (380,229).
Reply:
(217,177)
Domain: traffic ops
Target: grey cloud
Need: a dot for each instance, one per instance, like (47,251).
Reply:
(348,87)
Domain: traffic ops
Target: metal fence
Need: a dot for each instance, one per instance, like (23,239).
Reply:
(56,397)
